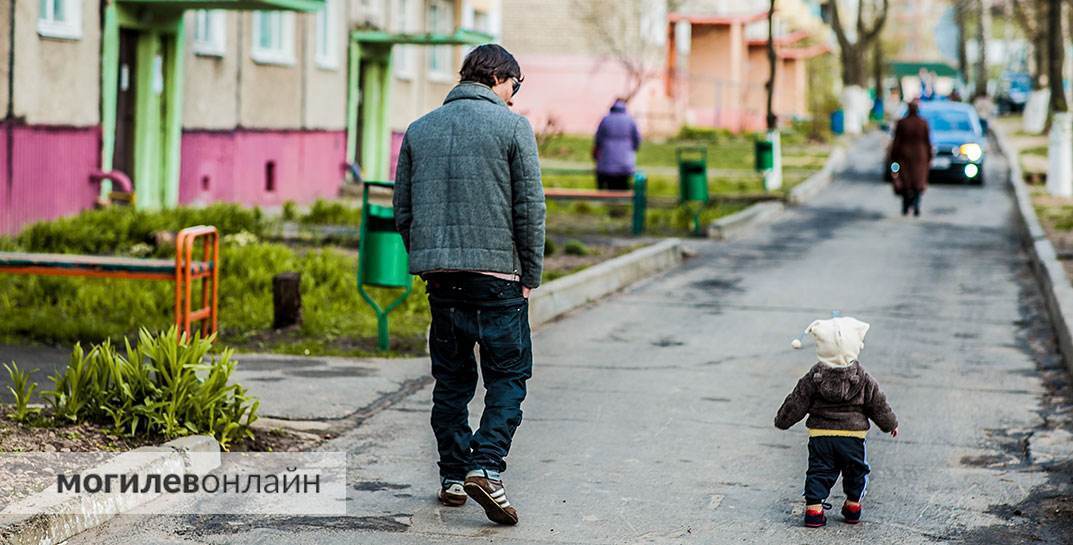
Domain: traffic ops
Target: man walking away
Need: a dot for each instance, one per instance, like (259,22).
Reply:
(470,207)
(615,148)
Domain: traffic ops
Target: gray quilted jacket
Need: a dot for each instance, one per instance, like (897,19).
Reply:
(468,194)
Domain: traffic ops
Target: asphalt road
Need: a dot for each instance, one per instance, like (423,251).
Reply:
(650,415)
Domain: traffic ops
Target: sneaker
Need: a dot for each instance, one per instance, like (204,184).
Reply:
(816,519)
(486,488)
(851,513)
(452,494)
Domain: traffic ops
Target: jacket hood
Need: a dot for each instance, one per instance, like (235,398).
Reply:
(838,384)
(619,106)
(471,90)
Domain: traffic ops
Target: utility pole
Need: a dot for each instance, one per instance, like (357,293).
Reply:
(773,175)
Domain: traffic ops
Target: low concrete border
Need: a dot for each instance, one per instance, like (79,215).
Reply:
(809,188)
(570,292)
(761,212)
(728,226)
(76,514)
(1054,283)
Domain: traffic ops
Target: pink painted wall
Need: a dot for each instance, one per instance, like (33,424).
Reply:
(577,90)
(50,168)
(231,166)
(396,147)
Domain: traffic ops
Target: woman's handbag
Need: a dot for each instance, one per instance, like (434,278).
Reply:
(897,183)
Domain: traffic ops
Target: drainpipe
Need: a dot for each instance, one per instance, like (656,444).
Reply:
(10,112)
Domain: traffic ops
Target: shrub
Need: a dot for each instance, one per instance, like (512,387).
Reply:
(290,211)
(549,247)
(332,213)
(575,247)
(156,389)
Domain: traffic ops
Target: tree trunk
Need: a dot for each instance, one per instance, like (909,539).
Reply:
(982,28)
(1055,56)
(286,300)
(853,66)
(877,69)
(962,26)
(1039,58)
(772,119)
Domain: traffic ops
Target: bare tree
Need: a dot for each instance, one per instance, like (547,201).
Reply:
(983,24)
(1055,56)
(772,119)
(1030,16)
(625,31)
(853,52)
(961,17)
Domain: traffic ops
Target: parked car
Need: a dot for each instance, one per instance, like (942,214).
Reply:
(958,139)
(1013,92)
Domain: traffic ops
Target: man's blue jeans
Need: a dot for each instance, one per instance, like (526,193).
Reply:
(470,309)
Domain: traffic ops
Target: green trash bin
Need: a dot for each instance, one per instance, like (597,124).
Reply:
(765,155)
(382,259)
(692,174)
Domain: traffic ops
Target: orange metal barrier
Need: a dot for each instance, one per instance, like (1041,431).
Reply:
(185,272)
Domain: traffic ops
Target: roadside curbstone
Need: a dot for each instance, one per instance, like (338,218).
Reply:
(58,518)
(738,222)
(1054,284)
(570,292)
(757,214)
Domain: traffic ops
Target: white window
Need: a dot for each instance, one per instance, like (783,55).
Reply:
(209,37)
(325,34)
(60,18)
(404,21)
(273,37)
(440,21)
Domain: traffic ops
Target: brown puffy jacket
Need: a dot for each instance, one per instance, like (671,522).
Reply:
(837,398)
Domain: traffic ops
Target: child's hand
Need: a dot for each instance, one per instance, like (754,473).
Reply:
(894,432)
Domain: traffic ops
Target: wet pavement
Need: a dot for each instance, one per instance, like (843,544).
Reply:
(649,418)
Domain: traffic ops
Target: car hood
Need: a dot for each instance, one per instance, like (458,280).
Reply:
(954,138)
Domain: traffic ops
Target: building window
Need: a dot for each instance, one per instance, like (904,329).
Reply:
(273,37)
(405,56)
(326,48)
(60,18)
(440,21)
(209,38)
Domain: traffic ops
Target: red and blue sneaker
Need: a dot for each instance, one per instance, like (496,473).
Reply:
(851,513)
(814,518)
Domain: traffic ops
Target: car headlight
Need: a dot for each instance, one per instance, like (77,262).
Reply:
(972,152)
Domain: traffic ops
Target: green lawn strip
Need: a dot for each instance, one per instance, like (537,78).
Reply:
(63,310)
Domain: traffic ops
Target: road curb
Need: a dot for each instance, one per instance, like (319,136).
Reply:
(57,522)
(809,188)
(729,226)
(1053,282)
(761,212)
(560,296)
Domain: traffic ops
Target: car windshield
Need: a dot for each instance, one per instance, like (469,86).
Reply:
(948,120)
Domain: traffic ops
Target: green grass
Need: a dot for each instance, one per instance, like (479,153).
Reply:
(60,310)
(584,218)
(1059,217)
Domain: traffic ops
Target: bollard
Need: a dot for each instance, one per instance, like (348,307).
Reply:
(286,300)
(640,202)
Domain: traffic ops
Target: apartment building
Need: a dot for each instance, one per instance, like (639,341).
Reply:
(197,101)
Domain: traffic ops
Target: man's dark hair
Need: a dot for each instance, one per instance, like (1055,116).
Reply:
(488,62)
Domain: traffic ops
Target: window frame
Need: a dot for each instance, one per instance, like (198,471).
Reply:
(70,28)
(283,54)
(439,52)
(324,24)
(404,22)
(215,45)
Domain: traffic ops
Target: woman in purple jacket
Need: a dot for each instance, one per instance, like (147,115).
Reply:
(615,148)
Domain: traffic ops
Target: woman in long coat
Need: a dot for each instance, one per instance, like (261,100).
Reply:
(912,152)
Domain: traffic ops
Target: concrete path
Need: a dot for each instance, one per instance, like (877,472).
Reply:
(650,416)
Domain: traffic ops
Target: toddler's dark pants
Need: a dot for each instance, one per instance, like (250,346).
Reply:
(830,456)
